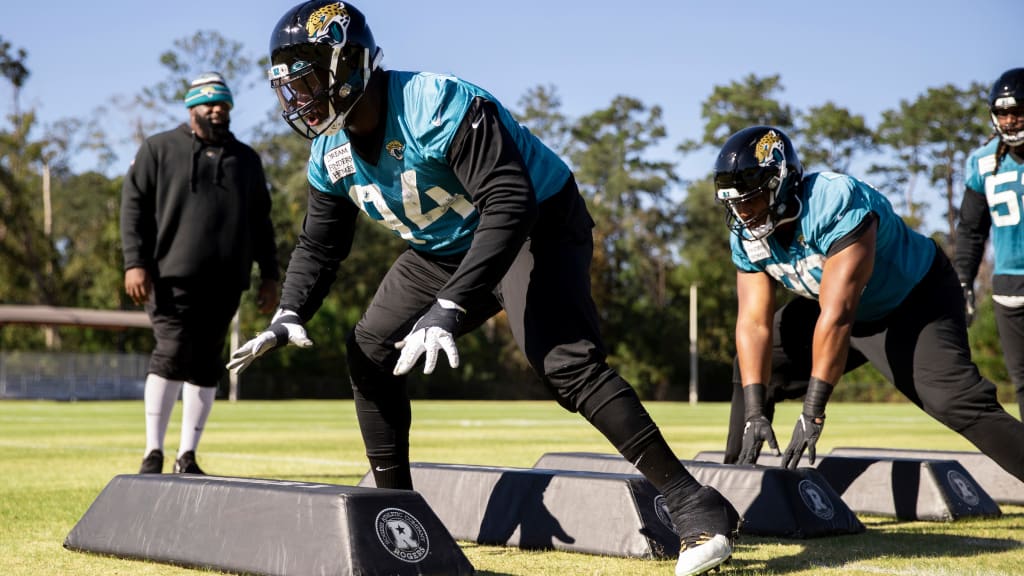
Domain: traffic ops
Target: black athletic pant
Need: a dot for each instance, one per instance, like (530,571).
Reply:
(921,348)
(1010,323)
(190,323)
(546,295)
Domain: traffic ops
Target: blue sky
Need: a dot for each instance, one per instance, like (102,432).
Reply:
(865,56)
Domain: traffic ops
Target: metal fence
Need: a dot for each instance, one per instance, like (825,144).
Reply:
(72,376)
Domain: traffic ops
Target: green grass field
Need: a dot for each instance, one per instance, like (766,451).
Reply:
(55,458)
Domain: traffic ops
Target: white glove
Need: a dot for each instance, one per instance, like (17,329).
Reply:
(285,328)
(434,331)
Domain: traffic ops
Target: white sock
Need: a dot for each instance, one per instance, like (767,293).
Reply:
(196,403)
(159,397)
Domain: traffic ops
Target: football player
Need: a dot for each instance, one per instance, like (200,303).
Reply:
(870,290)
(992,202)
(493,220)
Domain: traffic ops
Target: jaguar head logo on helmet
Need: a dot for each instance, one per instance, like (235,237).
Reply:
(332,20)
(322,57)
(756,175)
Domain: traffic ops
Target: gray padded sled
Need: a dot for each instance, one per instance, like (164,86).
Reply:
(772,501)
(271,527)
(903,488)
(1002,486)
(608,514)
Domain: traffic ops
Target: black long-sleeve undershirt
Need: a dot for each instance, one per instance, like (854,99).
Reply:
(486,160)
(324,242)
(971,234)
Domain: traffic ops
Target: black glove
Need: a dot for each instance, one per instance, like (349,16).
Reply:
(969,308)
(757,428)
(285,328)
(434,331)
(809,424)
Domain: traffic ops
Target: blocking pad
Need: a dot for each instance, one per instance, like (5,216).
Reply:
(903,488)
(268,527)
(773,501)
(608,514)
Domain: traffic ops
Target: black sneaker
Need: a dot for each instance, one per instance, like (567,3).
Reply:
(710,525)
(153,463)
(186,464)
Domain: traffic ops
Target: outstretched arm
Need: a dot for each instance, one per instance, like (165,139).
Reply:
(487,162)
(756,295)
(971,233)
(325,241)
(848,267)
(844,276)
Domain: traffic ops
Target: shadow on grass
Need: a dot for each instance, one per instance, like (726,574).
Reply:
(886,538)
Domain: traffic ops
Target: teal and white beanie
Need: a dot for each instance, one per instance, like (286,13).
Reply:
(207,88)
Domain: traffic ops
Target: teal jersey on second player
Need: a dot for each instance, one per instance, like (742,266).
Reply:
(412,190)
(1004,193)
(833,205)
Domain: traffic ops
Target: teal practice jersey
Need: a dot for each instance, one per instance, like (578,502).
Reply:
(833,205)
(412,190)
(1004,193)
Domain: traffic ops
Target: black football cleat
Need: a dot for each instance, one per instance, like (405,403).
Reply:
(153,463)
(186,464)
(710,525)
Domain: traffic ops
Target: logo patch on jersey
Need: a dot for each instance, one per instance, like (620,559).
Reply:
(339,162)
(756,250)
(769,149)
(331,21)
(396,149)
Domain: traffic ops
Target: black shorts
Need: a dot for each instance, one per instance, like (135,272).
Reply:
(190,323)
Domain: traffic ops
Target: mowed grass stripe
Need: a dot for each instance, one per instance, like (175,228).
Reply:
(55,458)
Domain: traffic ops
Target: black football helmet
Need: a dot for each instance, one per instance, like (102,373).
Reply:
(1007,97)
(322,55)
(756,173)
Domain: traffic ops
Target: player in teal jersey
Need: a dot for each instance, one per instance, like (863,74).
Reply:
(994,201)
(493,220)
(871,290)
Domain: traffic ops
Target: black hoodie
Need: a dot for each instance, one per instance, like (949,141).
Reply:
(191,209)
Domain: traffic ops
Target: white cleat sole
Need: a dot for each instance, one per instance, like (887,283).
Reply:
(704,557)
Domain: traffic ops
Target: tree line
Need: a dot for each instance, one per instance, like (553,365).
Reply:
(656,234)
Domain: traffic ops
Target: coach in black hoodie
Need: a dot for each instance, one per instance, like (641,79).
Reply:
(195,214)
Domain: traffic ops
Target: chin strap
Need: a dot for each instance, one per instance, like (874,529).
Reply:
(370,65)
